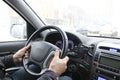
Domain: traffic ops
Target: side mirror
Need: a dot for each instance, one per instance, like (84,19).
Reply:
(18,31)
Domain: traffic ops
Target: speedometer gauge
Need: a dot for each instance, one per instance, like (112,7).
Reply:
(70,44)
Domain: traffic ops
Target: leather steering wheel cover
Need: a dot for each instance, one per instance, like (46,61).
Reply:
(63,34)
(63,52)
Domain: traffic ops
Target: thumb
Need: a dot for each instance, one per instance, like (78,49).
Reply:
(66,59)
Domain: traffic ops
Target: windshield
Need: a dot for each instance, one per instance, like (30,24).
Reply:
(88,17)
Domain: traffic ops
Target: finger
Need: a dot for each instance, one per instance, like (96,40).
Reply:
(57,53)
(25,48)
(66,59)
(20,59)
(27,55)
(28,46)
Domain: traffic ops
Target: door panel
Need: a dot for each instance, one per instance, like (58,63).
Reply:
(10,47)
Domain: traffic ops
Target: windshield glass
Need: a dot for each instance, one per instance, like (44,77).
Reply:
(88,17)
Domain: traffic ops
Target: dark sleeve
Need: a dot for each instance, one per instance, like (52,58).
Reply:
(7,61)
(49,75)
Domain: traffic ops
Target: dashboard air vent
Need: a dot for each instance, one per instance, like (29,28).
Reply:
(104,48)
(111,49)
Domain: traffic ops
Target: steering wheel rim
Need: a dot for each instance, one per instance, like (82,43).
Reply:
(44,63)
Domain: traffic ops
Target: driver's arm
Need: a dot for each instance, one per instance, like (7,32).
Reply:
(7,61)
(56,68)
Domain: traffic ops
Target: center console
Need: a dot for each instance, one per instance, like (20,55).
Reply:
(106,62)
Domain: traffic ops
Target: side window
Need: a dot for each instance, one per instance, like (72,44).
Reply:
(12,26)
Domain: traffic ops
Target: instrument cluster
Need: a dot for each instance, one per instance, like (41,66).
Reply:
(70,44)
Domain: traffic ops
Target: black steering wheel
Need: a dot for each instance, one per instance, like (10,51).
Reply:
(41,51)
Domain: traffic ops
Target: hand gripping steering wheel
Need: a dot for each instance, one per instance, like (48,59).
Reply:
(41,51)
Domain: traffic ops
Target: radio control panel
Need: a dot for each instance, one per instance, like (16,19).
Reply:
(106,62)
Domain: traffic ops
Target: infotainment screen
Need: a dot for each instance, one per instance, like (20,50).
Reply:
(110,62)
(101,78)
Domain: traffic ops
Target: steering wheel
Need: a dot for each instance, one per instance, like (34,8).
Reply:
(41,51)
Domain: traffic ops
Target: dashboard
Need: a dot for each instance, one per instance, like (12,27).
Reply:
(90,59)
(77,53)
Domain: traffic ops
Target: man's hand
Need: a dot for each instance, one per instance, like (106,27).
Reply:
(58,65)
(17,57)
